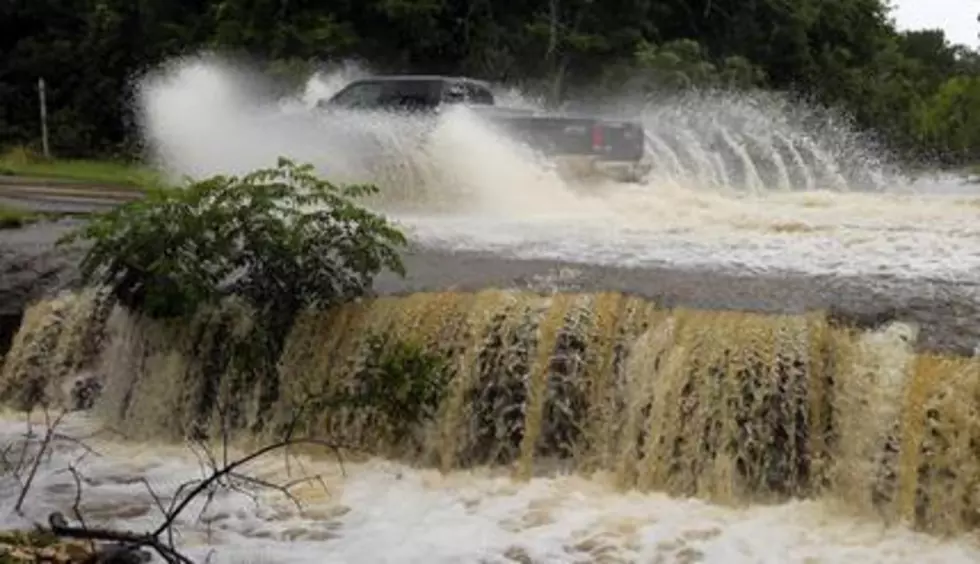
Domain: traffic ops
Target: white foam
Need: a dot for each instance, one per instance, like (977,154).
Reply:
(828,233)
(386,512)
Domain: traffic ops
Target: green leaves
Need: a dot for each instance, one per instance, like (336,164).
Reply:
(401,381)
(280,238)
(680,65)
(951,118)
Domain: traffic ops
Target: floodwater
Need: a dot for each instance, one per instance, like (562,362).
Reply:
(386,512)
(741,185)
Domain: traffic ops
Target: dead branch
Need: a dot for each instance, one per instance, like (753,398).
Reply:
(218,472)
(231,467)
(7,465)
(220,476)
(163,510)
(60,527)
(77,442)
(76,505)
(283,489)
(152,540)
(25,448)
(32,473)
(45,443)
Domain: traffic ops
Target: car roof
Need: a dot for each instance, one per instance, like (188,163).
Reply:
(423,77)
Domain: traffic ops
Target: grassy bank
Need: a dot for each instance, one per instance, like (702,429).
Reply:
(13,218)
(23,163)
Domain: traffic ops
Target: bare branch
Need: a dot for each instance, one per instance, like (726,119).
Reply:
(200,456)
(177,494)
(77,442)
(76,505)
(59,526)
(283,489)
(5,460)
(163,510)
(45,445)
(231,467)
(217,475)
(25,446)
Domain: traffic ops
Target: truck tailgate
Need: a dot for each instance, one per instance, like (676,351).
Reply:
(606,140)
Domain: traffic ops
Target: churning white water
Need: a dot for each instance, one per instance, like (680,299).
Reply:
(378,511)
(743,182)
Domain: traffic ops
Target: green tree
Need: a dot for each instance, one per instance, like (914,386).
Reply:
(841,53)
(950,121)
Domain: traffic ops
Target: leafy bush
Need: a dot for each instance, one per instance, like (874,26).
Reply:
(400,381)
(280,238)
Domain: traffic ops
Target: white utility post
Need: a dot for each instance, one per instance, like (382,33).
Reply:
(44,117)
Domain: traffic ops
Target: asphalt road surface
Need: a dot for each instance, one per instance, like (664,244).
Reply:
(58,196)
(947,312)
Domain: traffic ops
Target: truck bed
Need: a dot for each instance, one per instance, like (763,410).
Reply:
(556,135)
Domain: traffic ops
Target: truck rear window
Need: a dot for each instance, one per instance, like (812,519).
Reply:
(370,93)
(407,93)
(478,95)
(359,94)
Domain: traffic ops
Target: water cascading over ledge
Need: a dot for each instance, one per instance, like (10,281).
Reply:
(726,406)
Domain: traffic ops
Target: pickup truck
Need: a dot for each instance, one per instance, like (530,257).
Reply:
(581,144)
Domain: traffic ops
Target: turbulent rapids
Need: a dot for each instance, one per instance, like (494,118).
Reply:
(727,407)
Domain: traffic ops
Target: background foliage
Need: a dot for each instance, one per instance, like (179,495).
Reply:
(915,88)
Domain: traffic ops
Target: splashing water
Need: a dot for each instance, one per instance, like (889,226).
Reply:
(200,118)
(797,440)
(203,115)
(739,182)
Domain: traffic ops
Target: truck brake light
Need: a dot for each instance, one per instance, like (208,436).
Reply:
(598,140)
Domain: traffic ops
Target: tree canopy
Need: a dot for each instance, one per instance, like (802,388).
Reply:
(917,90)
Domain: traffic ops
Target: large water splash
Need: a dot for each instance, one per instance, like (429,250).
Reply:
(203,115)
(751,182)
(757,143)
